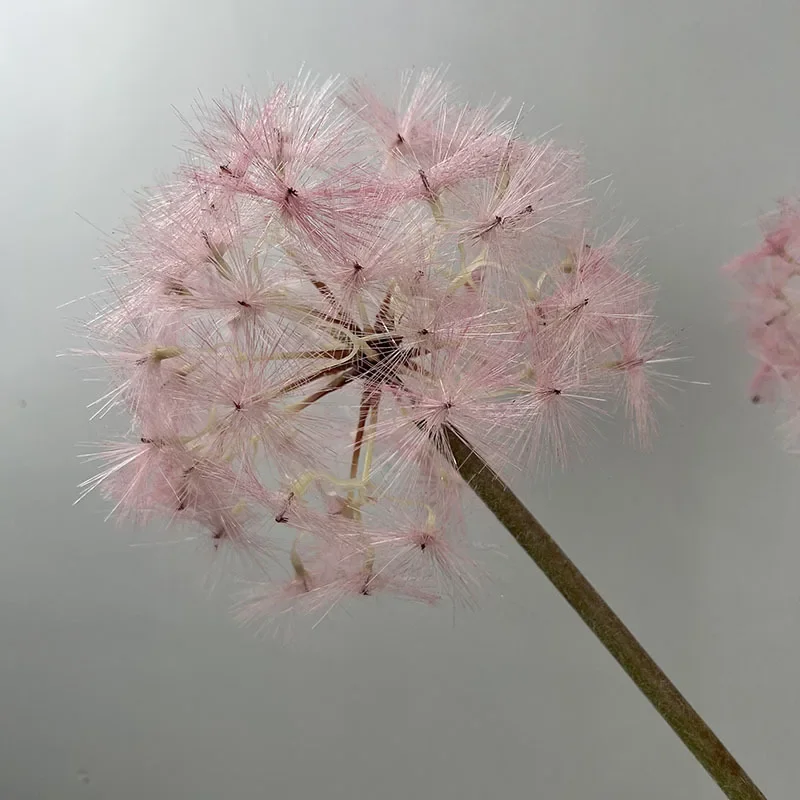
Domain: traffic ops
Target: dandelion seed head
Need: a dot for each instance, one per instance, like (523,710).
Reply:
(325,291)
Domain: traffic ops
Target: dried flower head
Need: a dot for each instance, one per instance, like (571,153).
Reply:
(770,278)
(327,290)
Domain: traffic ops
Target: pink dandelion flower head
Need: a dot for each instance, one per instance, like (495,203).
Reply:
(331,288)
(769,304)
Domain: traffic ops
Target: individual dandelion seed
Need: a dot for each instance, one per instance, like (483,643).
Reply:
(559,397)
(143,357)
(637,367)
(780,245)
(427,545)
(527,212)
(338,316)
(294,157)
(407,132)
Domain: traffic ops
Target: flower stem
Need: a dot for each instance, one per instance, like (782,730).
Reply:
(604,623)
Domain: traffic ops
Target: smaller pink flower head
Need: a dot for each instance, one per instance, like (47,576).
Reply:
(769,277)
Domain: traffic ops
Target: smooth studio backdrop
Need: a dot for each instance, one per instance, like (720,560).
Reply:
(121,678)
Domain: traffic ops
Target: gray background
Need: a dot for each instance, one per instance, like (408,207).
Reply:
(122,678)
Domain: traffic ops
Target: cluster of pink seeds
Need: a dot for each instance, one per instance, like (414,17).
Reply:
(325,288)
(770,278)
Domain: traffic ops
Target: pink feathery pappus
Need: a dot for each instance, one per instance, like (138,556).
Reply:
(769,305)
(332,287)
